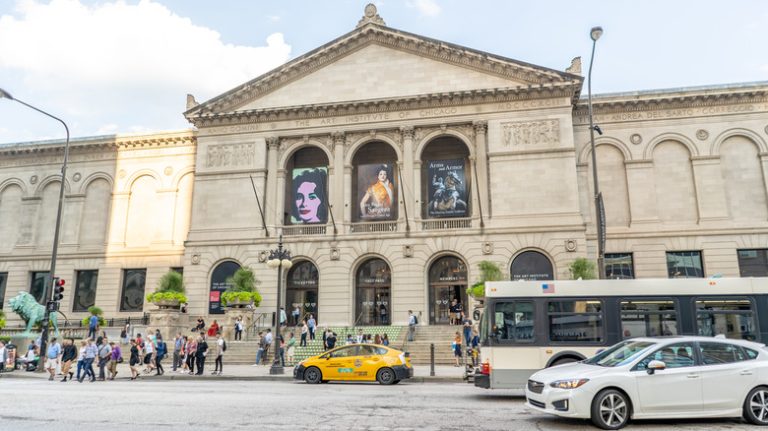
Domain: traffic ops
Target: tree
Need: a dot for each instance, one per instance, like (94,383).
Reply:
(489,271)
(582,268)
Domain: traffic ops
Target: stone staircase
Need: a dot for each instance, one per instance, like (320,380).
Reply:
(440,335)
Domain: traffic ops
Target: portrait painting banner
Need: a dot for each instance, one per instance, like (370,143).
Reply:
(447,189)
(377,192)
(309,203)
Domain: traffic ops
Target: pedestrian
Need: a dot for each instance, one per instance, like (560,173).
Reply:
(91,352)
(124,333)
(385,340)
(158,336)
(281,354)
(52,358)
(331,340)
(202,351)
(350,340)
(267,343)
(149,355)
(80,359)
(160,352)
(105,353)
(312,326)
(412,321)
(239,328)
(296,313)
(191,354)
(221,348)
(325,339)
(135,359)
(4,357)
(304,332)
(139,341)
(452,310)
(291,350)
(115,358)
(260,352)
(214,329)
(68,355)
(93,326)
(360,337)
(467,331)
(475,344)
(456,346)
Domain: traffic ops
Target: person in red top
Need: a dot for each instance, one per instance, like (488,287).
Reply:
(214,329)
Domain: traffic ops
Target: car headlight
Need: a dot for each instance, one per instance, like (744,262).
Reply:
(568,384)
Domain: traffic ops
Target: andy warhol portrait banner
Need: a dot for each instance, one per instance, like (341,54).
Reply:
(309,203)
(447,189)
(377,192)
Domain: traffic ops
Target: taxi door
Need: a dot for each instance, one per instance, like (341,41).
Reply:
(368,362)
(339,363)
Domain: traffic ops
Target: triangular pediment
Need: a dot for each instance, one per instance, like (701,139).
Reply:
(375,62)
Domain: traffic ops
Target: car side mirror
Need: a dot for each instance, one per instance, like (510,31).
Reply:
(656,365)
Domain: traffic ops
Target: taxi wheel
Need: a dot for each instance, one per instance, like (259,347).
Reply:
(313,375)
(756,406)
(396,382)
(610,410)
(386,376)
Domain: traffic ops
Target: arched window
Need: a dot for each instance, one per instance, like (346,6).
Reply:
(219,284)
(445,179)
(447,290)
(531,265)
(375,181)
(372,286)
(306,190)
(301,291)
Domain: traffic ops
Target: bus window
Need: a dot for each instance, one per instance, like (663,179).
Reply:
(513,321)
(643,318)
(575,321)
(733,318)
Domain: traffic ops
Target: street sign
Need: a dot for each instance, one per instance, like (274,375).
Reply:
(52,306)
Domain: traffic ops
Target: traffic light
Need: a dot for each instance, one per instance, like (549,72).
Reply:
(58,289)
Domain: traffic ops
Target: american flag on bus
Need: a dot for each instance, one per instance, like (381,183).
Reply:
(548,288)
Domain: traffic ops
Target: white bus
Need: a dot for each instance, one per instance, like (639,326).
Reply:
(530,325)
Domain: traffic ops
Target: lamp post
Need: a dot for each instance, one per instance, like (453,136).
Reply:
(47,291)
(279,258)
(595,34)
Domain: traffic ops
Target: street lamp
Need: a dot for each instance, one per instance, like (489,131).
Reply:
(595,34)
(279,258)
(47,291)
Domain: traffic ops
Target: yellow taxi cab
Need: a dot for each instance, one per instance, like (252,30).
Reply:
(356,362)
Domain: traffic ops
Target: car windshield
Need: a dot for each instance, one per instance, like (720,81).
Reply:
(619,354)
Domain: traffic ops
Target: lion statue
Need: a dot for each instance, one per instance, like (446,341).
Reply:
(27,307)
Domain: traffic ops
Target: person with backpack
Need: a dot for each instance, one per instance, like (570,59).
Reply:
(222,347)
(93,326)
(412,322)
(160,351)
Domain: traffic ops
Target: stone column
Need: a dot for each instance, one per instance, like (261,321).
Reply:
(349,205)
(406,168)
(481,158)
(338,181)
(169,322)
(271,192)
(280,197)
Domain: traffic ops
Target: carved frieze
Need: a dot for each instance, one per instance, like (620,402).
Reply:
(230,155)
(531,133)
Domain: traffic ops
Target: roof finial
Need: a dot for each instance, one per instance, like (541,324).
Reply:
(371,15)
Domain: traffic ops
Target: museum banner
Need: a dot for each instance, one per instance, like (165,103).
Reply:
(447,189)
(309,203)
(377,192)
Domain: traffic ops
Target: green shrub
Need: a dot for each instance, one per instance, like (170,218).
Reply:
(228,297)
(102,321)
(166,296)
(242,287)
(2,319)
(95,311)
(172,281)
(489,271)
(582,268)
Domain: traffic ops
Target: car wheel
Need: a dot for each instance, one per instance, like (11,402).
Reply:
(313,375)
(386,376)
(610,410)
(756,406)
(396,382)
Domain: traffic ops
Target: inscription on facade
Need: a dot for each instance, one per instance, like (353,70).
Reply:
(672,113)
(530,133)
(230,155)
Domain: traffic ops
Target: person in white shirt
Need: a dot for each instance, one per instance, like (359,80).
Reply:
(221,344)
(149,358)
(3,356)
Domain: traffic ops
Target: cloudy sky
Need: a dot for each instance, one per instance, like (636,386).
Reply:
(126,66)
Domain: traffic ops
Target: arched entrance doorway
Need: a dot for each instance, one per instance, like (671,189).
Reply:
(531,265)
(219,284)
(372,288)
(447,282)
(301,291)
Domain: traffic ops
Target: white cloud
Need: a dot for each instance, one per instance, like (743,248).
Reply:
(764,68)
(426,7)
(125,59)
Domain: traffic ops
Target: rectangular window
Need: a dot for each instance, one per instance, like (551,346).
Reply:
(734,318)
(648,318)
(753,263)
(85,290)
(37,286)
(684,264)
(132,298)
(3,281)
(576,321)
(619,266)
(513,321)
(179,269)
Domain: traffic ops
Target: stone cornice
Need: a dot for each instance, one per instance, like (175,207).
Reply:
(106,143)
(388,37)
(436,100)
(674,99)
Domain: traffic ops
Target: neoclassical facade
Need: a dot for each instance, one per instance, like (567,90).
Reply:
(393,164)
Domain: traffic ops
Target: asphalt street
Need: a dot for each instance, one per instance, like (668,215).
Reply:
(34,404)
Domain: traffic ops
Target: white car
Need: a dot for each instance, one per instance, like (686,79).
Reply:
(658,378)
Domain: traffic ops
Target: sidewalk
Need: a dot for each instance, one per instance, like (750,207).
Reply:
(443,374)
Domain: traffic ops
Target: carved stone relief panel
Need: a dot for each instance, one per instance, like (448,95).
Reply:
(230,155)
(531,133)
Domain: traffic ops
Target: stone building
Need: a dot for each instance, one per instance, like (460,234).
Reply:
(392,164)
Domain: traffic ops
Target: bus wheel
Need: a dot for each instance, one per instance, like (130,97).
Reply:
(610,410)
